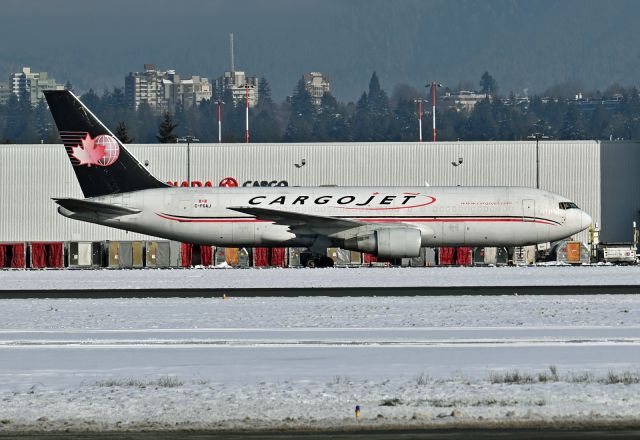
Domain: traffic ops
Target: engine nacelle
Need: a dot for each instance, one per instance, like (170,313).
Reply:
(387,243)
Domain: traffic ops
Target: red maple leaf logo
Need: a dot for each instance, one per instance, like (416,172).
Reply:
(90,153)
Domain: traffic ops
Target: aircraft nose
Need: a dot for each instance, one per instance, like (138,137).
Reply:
(585,220)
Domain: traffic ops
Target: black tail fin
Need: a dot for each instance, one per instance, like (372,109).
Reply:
(101,162)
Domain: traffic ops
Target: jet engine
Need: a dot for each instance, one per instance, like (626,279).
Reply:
(387,243)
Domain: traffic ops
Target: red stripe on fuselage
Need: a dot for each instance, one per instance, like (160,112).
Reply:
(366,220)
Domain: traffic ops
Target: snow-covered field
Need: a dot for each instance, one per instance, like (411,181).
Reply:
(310,278)
(210,363)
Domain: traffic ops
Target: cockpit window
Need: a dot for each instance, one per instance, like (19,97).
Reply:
(568,205)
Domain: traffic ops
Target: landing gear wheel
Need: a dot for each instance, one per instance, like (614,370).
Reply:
(320,261)
(327,262)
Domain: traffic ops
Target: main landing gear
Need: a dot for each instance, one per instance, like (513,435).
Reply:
(319,261)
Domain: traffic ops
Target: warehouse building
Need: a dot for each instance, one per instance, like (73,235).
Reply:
(601,177)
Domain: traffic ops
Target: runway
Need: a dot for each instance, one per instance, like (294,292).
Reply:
(55,358)
(321,291)
(336,282)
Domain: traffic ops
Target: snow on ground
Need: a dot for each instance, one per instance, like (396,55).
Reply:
(320,312)
(252,363)
(309,278)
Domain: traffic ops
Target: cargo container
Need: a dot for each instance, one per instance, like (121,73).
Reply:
(157,253)
(571,252)
(523,255)
(231,256)
(485,256)
(244,257)
(340,257)
(13,256)
(295,256)
(624,253)
(46,255)
(84,254)
(125,254)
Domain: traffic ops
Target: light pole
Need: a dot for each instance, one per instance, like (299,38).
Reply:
(537,137)
(420,101)
(188,140)
(246,97)
(219,102)
(433,105)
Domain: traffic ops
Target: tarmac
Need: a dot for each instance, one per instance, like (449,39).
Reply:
(320,291)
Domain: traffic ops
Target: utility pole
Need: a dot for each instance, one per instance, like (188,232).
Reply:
(188,140)
(420,101)
(537,137)
(219,102)
(246,95)
(433,105)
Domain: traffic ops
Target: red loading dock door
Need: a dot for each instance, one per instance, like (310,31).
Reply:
(446,256)
(12,255)
(260,257)
(47,255)
(464,256)
(278,257)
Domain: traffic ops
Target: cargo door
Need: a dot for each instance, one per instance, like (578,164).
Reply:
(528,210)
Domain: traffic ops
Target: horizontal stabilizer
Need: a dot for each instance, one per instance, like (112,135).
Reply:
(80,206)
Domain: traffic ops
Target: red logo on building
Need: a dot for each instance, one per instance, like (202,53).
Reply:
(229,182)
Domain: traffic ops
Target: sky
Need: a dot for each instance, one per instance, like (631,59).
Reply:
(527,46)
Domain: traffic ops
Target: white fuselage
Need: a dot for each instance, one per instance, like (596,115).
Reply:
(445,216)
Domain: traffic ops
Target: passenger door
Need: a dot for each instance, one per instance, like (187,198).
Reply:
(528,210)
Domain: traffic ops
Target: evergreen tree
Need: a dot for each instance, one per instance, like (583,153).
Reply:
(405,121)
(361,125)
(481,125)
(330,124)
(165,130)
(379,112)
(488,84)
(44,122)
(572,124)
(122,133)
(301,118)
(92,101)
(264,94)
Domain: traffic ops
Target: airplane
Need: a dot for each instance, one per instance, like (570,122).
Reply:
(390,222)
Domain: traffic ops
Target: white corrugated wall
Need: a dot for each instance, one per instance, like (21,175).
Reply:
(30,175)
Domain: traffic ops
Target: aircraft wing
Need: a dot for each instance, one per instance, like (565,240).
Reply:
(80,206)
(301,222)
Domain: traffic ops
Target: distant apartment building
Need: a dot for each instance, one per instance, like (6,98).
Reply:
(29,85)
(5,92)
(317,85)
(164,90)
(240,86)
(465,99)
